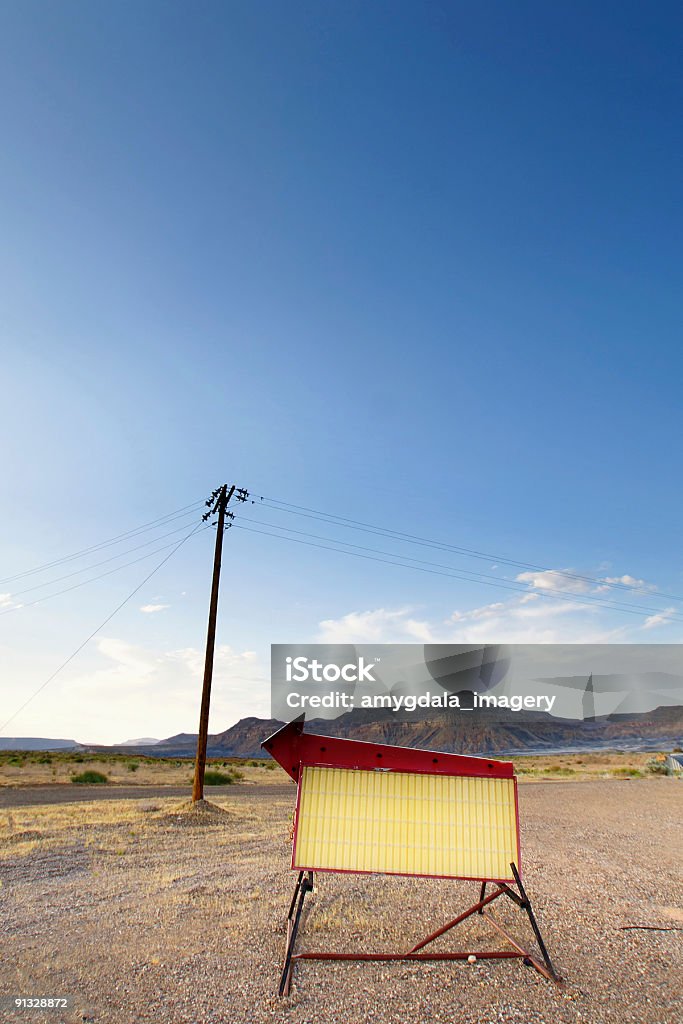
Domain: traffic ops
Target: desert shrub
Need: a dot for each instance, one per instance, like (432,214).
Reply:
(79,760)
(271,766)
(132,766)
(628,773)
(46,759)
(253,764)
(16,760)
(214,778)
(89,778)
(655,767)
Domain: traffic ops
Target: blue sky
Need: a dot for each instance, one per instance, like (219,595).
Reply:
(416,264)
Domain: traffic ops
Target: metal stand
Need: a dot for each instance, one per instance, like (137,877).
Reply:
(305,884)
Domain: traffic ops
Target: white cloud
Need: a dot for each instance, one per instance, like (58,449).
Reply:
(149,609)
(659,618)
(132,662)
(138,691)
(485,612)
(378,626)
(521,620)
(568,581)
(552,579)
(547,609)
(625,581)
(525,619)
(628,581)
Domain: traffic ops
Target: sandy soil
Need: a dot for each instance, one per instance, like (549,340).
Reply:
(143,914)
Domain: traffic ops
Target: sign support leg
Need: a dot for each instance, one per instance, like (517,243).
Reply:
(304,884)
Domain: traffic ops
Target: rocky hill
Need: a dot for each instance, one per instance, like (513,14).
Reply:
(477,732)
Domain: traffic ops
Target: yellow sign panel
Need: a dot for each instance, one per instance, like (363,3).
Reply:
(406,824)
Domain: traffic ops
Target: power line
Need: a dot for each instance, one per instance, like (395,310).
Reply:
(180,513)
(352,524)
(468,573)
(105,561)
(585,601)
(101,626)
(94,579)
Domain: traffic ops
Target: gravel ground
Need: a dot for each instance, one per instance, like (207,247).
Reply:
(151,916)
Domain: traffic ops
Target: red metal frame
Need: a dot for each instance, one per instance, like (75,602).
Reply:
(291,747)
(519,837)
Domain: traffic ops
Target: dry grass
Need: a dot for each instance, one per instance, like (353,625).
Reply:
(37,768)
(106,825)
(603,764)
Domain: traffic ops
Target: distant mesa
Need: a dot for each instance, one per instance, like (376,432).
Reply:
(36,743)
(505,733)
(480,732)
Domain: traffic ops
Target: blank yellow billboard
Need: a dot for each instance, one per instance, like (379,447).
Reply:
(406,824)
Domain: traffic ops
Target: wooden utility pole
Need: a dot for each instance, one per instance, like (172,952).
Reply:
(224,496)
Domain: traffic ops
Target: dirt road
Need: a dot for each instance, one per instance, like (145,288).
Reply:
(25,796)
